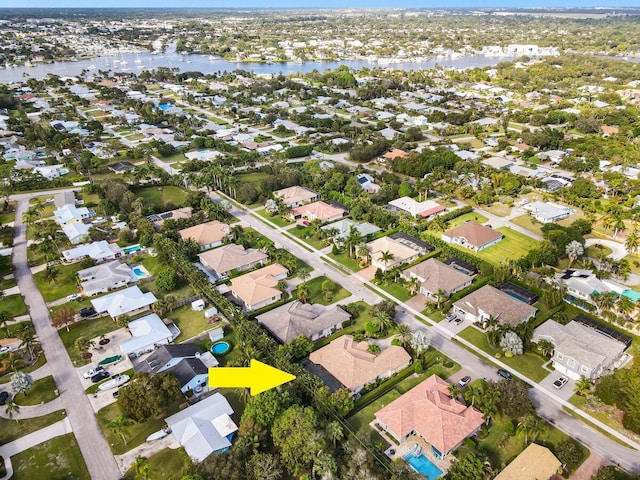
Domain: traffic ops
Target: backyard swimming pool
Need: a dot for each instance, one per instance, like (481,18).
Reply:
(220,348)
(140,271)
(131,249)
(423,466)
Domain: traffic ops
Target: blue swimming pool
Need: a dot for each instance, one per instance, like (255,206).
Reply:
(220,348)
(131,249)
(516,296)
(139,272)
(423,466)
(165,106)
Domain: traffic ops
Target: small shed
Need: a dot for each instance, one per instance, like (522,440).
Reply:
(198,305)
(216,334)
(210,312)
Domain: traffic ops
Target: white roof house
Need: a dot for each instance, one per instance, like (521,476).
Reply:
(204,428)
(546,212)
(99,251)
(124,302)
(105,277)
(76,232)
(50,171)
(414,208)
(70,214)
(367,183)
(146,333)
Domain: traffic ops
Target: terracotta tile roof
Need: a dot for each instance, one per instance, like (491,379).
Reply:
(395,153)
(296,194)
(428,410)
(206,233)
(491,301)
(225,259)
(259,285)
(435,275)
(475,234)
(320,210)
(353,365)
(609,130)
(534,463)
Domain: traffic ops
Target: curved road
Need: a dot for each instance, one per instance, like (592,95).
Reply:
(94,447)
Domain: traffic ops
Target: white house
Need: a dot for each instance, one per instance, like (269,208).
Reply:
(547,212)
(70,214)
(105,277)
(77,232)
(98,251)
(147,333)
(367,183)
(129,301)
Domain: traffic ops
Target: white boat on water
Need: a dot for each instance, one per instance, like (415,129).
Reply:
(115,382)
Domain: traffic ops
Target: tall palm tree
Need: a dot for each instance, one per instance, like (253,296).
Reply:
(454,390)
(633,241)
(27,335)
(404,334)
(304,274)
(382,320)
(386,256)
(625,305)
(303,292)
(531,426)
(5,318)
(583,386)
(334,432)
(117,426)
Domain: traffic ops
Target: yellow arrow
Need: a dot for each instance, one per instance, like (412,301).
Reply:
(259,377)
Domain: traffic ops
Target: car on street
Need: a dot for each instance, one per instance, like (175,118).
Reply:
(94,371)
(504,374)
(4,396)
(450,317)
(464,381)
(560,382)
(98,377)
(87,312)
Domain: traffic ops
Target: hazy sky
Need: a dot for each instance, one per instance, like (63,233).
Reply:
(318,3)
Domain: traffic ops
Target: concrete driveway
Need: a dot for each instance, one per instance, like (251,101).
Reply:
(565,392)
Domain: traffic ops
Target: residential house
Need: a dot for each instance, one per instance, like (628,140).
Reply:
(395,153)
(318,210)
(296,196)
(436,277)
(99,251)
(354,366)
(159,218)
(584,284)
(77,232)
(399,253)
(64,198)
(147,333)
(259,288)
(192,375)
(472,235)
(534,463)
(416,209)
(498,162)
(170,355)
(291,320)
(428,410)
(342,228)
(129,301)
(70,214)
(367,183)
(222,261)
(204,428)
(105,277)
(579,349)
(207,235)
(488,301)
(547,212)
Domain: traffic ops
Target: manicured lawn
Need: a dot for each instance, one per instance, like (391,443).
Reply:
(357,325)
(42,391)
(317,296)
(254,178)
(90,199)
(529,364)
(360,421)
(499,209)
(152,264)
(160,197)
(396,290)
(190,322)
(166,464)
(59,457)
(467,217)
(346,260)
(306,235)
(11,430)
(49,207)
(178,157)
(233,356)
(90,328)
(513,246)
(8,215)
(527,221)
(65,283)
(14,304)
(276,219)
(6,283)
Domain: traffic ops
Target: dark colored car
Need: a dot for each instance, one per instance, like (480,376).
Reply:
(4,396)
(87,312)
(116,394)
(98,377)
(504,374)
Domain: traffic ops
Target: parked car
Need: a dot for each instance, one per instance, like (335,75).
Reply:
(504,374)
(458,320)
(92,372)
(5,348)
(98,377)
(306,223)
(116,394)
(464,381)
(4,396)
(560,382)
(450,317)
(73,296)
(87,312)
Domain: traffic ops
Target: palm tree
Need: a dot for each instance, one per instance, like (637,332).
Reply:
(304,274)
(414,285)
(618,225)
(117,426)
(583,386)
(143,467)
(574,250)
(382,320)
(5,318)
(546,347)
(454,390)
(334,431)
(29,217)
(420,342)
(303,292)
(607,300)
(531,426)
(625,305)
(633,241)
(51,273)
(404,334)
(27,335)
(386,256)
(12,409)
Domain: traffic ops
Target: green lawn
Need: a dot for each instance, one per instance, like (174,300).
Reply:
(8,215)
(398,291)
(14,304)
(11,430)
(317,296)
(159,198)
(178,157)
(499,209)
(471,216)
(306,235)
(513,246)
(276,219)
(90,328)
(190,322)
(167,464)
(65,283)
(528,222)
(254,178)
(57,458)
(89,199)
(598,251)
(49,207)
(6,283)
(529,364)
(152,264)
(344,259)
(42,391)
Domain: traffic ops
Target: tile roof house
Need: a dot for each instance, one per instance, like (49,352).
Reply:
(159,218)
(207,235)
(401,253)
(291,320)
(354,366)
(395,153)
(259,288)
(70,214)
(147,333)
(192,375)
(318,210)
(98,251)
(435,276)
(546,212)
(223,260)
(534,463)
(579,349)
(204,428)
(296,196)
(429,411)
(343,227)
(488,301)
(472,235)
(129,301)
(105,277)
(416,209)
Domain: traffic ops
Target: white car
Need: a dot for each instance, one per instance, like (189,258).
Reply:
(560,382)
(92,372)
(5,348)
(73,296)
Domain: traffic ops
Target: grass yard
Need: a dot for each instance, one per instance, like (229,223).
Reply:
(11,430)
(59,457)
(89,199)
(344,259)
(317,296)
(160,197)
(398,291)
(255,178)
(598,251)
(306,235)
(360,420)
(512,246)
(529,364)
(498,209)
(14,304)
(90,328)
(190,322)
(8,215)
(6,283)
(528,222)
(467,217)
(167,464)
(42,391)
(65,283)
(48,207)
(152,264)
(178,157)
(276,219)
(357,325)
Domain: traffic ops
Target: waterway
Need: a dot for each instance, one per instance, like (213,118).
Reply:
(136,63)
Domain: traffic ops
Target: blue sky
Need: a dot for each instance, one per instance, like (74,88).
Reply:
(319,3)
